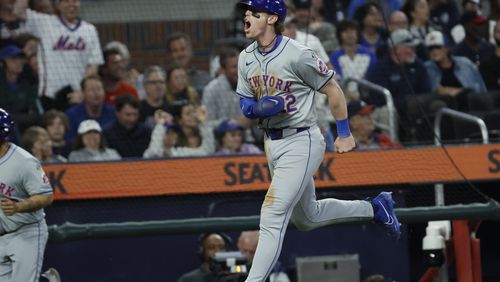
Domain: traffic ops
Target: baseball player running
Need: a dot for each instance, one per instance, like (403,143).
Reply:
(24,192)
(278,81)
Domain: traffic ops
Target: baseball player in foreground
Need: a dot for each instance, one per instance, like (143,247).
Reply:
(24,192)
(278,81)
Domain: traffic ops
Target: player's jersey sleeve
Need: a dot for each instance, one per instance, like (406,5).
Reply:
(243,89)
(96,57)
(34,179)
(313,70)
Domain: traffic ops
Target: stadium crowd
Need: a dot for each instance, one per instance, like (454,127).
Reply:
(75,98)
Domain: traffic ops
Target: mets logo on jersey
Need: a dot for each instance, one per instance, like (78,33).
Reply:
(322,68)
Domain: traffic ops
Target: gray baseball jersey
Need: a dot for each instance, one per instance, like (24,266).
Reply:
(23,236)
(296,73)
(290,70)
(21,176)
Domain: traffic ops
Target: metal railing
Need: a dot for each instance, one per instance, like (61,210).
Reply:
(439,188)
(388,99)
(461,116)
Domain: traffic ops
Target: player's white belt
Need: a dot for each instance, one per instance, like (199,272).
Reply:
(280,133)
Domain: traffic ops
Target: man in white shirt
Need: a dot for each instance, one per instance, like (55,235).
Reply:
(69,47)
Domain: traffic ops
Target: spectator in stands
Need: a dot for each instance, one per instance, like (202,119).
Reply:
(41,6)
(387,73)
(445,14)
(11,24)
(332,11)
(490,68)
(230,140)
(363,129)
(90,145)
(29,44)
(418,13)
(323,29)
(494,16)
(369,19)
(92,106)
(57,124)
(352,59)
(313,22)
(387,8)
(494,10)
(247,244)
(179,91)
(475,45)
(17,94)
(195,138)
(398,20)
(155,86)
(210,243)
(72,51)
(113,73)
(471,6)
(468,6)
(450,76)
(132,76)
(36,140)
(218,96)
(309,40)
(164,136)
(126,134)
(180,51)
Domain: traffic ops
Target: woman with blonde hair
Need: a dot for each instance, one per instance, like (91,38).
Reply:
(179,91)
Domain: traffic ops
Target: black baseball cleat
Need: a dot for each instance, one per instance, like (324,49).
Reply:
(383,214)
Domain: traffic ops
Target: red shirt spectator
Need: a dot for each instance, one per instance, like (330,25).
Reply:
(121,90)
(113,74)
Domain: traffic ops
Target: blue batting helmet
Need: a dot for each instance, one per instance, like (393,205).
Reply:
(275,7)
(6,125)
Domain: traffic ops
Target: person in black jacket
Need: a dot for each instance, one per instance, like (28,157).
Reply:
(126,134)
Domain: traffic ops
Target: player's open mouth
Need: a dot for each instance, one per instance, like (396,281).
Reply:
(246,25)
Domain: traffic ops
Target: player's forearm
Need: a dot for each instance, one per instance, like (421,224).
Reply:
(336,100)
(34,203)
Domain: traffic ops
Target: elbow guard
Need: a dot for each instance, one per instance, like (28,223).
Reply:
(247,105)
(269,106)
(265,107)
